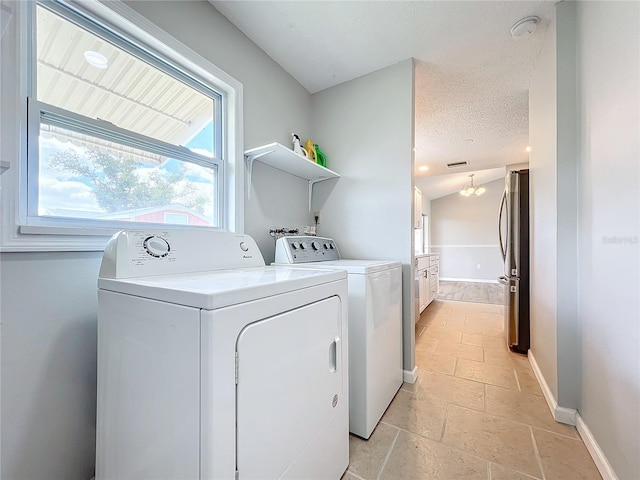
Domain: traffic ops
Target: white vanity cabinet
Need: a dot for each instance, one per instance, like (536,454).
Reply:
(428,276)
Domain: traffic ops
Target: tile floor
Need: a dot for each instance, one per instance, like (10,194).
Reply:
(476,411)
(471,292)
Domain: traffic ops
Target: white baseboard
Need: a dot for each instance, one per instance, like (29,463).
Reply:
(572,417)
(599,458)
(473,280)
(560,414)
(410,376)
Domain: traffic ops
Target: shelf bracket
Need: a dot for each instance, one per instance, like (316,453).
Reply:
(250,160)
(311,184)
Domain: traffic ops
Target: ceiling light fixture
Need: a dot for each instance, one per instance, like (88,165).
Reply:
(96,59)
(528,149)
(525,26)
(423,168)
(471,190)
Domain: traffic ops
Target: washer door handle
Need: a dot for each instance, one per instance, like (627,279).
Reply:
(335,355)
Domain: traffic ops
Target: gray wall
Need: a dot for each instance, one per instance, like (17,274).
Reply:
(48,311)
(552,130)
(370,143)
(48,300)
(609,206)
(543,210)
(464,232)
(584,124)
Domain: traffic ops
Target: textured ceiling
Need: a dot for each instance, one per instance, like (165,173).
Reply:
(472,77)
(438,186)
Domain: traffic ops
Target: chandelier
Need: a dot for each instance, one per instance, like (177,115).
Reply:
(471,190)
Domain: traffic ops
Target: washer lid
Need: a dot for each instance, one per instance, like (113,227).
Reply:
(222,288)
(362,267)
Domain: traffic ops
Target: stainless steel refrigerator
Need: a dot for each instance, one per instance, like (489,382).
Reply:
(513,232)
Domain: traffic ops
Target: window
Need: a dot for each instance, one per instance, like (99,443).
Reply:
(120,128)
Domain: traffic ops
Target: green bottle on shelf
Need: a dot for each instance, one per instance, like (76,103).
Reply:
(321,158)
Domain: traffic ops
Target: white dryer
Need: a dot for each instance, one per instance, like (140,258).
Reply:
(375,324)
(212,365)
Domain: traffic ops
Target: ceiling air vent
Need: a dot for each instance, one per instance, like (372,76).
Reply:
(457,164)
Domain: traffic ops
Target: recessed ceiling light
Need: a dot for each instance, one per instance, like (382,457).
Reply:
(524,26)
(423,168)
(96,59)
(528,149)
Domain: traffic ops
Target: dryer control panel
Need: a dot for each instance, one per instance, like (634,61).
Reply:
(304,249)
(140,253)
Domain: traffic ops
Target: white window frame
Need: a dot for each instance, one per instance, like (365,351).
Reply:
(18,232)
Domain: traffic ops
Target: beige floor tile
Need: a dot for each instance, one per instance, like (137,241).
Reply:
(499,309)
(426,341)
(502,376)
(465,328)
(453,327)
(521,362)
(452,390)
(414,457)
(455,319)
(450,335)
(492,438)
(528,382)
(523,407)
(366,457)
(493,332)
(411,387)
(498,472)
(487,320)
(470,352)
(485,341)
(564,458)
(349,476)
(436,362)
(434,323)
(419,415)
(495,356)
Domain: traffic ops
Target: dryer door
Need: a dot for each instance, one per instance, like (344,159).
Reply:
(290,370)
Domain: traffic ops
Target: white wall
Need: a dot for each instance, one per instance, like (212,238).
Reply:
(365,127)
(609,208)
(464,232)
(48,300)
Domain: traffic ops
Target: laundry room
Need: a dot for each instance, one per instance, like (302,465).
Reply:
(187,119)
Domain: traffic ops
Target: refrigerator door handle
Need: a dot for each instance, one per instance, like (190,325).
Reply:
(503,248)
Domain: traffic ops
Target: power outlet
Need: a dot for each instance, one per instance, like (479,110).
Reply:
(316,215)
(478,266)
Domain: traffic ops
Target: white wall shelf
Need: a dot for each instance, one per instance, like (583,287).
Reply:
(283,158)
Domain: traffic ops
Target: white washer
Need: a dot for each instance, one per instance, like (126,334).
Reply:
(214,366)
(375,324)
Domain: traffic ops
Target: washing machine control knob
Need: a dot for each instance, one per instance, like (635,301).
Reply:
(157,246)
(243,246)
(302,246)
(315,245)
